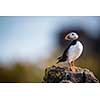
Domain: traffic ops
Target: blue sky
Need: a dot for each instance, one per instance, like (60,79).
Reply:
(32,38)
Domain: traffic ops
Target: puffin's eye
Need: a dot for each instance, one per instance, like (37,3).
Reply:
(72,34)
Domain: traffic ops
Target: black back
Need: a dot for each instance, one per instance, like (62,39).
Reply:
(64,55)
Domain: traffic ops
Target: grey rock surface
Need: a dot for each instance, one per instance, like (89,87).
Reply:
(56,74)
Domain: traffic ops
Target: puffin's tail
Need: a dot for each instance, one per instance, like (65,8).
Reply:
(59,59)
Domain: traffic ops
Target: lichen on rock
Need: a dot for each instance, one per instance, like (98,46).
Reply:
(56,74)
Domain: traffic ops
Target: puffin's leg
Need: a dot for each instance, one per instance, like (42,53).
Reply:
(70,65)
(73,67)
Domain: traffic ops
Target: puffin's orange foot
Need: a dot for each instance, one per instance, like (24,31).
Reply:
(74,69)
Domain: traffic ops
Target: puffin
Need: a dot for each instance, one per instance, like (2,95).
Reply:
(72,52)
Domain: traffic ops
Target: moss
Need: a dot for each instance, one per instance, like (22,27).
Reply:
(56,74)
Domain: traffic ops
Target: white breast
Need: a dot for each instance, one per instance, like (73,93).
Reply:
(75,51)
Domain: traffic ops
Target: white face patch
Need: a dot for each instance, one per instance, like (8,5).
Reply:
(73,36)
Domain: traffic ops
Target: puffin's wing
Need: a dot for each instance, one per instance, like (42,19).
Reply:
(64,56)
(70,44)
(65,53)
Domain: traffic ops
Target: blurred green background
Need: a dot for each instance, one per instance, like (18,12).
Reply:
(30,44)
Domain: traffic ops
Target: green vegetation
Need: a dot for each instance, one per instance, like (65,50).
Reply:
(20,72)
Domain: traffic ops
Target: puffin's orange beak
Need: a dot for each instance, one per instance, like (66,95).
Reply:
(67,37)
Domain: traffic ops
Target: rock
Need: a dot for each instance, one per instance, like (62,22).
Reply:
(65,75)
